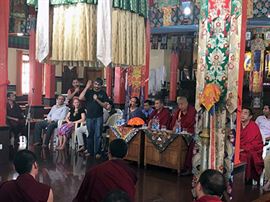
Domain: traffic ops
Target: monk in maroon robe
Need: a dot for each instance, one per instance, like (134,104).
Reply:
(161,113)
(25,188)
(111,175)
(210,187)
(185,116)
(251,146)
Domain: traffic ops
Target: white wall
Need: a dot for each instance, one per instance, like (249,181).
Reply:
(158,58)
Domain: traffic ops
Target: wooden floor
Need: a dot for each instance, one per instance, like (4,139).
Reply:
(64,171)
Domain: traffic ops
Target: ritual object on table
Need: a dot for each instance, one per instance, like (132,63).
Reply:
(136,122)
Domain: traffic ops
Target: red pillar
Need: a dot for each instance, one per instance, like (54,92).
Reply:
(119,85)
(109,72)
(35,91)
(49,81)
(240,82)
(147,58)
(4,27)
(19,62)
(173,76)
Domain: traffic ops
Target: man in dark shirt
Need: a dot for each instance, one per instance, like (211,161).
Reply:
(96,99)
(15,118)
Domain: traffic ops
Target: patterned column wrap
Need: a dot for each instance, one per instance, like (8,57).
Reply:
(234,59)
(218,63)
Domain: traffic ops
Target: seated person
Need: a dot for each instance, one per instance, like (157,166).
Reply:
(251,146)
(117,196)
(58,112)
(108,176)
(76,115)
(25,187)
(264,121)
(108,111)
(266,186)
(147,108)
(210,187)
(74,91)
(184,117)
(15,118)
(160,113)
(133,110)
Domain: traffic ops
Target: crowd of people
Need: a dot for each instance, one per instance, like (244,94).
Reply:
(85,114)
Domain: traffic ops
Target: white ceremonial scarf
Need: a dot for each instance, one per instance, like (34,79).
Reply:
(104,31)
(42,31)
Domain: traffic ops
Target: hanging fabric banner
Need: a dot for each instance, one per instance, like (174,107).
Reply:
(104,31)
(42,31)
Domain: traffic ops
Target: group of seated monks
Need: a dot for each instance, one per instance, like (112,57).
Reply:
(110,181)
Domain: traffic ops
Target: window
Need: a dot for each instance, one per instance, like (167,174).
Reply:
(25,74)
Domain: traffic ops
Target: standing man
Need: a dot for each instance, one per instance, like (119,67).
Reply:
(251,146)
(96,99)
(264,121)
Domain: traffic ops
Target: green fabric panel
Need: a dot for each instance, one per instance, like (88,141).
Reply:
(61,2)
(136,6)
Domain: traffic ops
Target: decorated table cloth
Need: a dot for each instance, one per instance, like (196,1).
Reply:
(125,133)
(162,139)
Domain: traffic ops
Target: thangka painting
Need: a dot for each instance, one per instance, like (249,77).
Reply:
(174,14)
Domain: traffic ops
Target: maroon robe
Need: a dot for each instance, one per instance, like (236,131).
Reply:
(25,188)
(187,120)
(164,117)
(252,144)
(208,198)
(106,177)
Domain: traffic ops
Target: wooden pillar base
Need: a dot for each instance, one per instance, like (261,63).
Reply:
(4,145)
(49,101)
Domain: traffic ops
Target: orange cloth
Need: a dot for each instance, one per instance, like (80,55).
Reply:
(210,96)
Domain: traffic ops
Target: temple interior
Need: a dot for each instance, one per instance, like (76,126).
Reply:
(184,83)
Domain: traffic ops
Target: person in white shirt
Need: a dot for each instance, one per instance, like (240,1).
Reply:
(264,121)
(58,112)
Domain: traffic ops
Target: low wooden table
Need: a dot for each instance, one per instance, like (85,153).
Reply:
(135,146)
(172,157)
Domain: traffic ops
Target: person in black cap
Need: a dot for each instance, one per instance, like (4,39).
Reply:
(96,99)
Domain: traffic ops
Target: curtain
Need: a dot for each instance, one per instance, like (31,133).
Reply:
(128,38)
(74,34)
